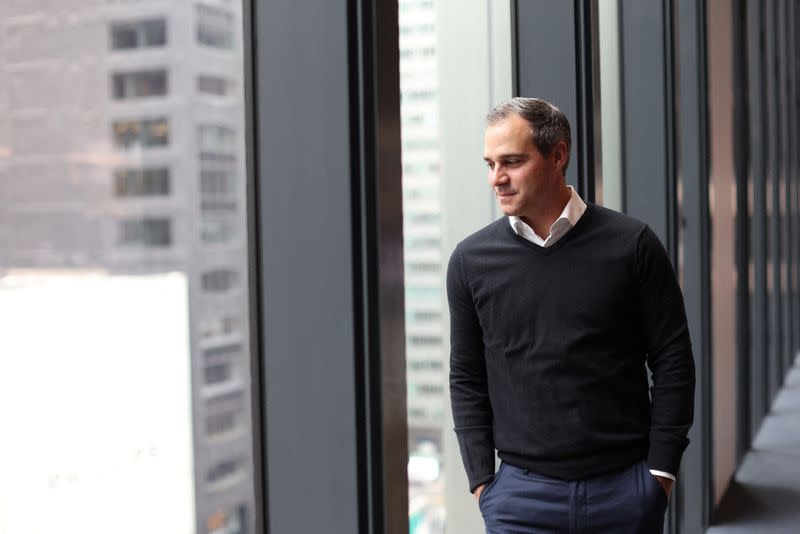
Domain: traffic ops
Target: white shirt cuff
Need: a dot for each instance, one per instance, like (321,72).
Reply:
(663,474)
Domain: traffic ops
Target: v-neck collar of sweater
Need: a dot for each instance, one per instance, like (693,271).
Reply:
(564,239)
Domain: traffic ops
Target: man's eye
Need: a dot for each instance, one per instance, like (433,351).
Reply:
(490,164)
(512,162)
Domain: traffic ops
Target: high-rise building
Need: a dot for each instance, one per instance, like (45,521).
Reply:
(422,221)
(122,149)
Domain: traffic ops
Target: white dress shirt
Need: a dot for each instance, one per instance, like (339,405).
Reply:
(569,217)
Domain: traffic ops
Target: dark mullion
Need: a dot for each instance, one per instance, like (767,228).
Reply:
(785,171)
(773,173)
(693,149)
(742,242)
(758,239)
(258,423)
(585,96)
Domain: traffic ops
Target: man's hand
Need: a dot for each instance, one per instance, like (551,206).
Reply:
(479,490)
(665,482)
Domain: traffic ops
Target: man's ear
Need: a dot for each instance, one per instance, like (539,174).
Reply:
(560,154)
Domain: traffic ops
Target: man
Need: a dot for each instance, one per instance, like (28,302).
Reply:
(555,309)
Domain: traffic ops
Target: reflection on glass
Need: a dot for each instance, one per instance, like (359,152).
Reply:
(427,395)
(124,388)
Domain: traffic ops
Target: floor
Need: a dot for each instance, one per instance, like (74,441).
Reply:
(765,494)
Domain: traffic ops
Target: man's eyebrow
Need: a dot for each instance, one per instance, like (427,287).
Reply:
(507,156)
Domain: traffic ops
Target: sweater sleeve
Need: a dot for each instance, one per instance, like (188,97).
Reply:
(469,394)
(669,354)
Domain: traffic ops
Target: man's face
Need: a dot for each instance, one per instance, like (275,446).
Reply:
(518,172)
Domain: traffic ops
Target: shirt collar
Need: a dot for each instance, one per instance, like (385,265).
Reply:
(572,212)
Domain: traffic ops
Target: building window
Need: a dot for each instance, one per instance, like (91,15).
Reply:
(420,315)
(224,415)
(142,182)
(138,34)
(216,143)
(218,206)
(219,424)
(230,351)
(216,373)
(139,84)
(220,326)
(224,471)
(218,280)
(141,133)
(423,218)
(423,243)
(214,85)
(430,389)
(425,341)
(214,27)
(425,365)
(146,232)
(217,182)
(220,363)
(226,522)
(216,230)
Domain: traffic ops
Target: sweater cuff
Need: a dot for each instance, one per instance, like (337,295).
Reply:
(665,452)
(477,454)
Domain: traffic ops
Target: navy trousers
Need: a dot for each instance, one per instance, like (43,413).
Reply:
(518,501)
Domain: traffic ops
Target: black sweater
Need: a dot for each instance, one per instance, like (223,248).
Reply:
(548,349)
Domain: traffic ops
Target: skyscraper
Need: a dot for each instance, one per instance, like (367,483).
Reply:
(122,150)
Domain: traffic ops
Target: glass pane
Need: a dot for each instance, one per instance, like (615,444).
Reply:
(722,212)
(125,383)
(449,79)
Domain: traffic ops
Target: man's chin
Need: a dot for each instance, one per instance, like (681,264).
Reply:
(509,211)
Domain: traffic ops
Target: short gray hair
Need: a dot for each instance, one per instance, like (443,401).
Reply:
(548,124)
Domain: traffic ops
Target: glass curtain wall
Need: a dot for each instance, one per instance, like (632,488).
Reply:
(455,63)
(722,208)
(125,390)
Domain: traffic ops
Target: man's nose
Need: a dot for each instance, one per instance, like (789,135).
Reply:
(498,176)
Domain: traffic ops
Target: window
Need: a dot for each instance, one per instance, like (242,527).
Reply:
(215,182)
(218,206)
(226,521)
(215,230)
(122,197)
(423,243)
(214,85)
(139,84)
(142,182)
(426,341)
(420,144)
(223,471)
(425,365)
(146,232)
(423,218)
(216,142)
(426,268)
(220,363)
(143,133)
(224,415)
(214,27)
(430,389)
(218,372)
(233,350)
(419,315)
(220,326)
(221,423)
(138,34)
(218,280)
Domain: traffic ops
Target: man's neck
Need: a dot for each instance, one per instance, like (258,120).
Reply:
(540,219)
